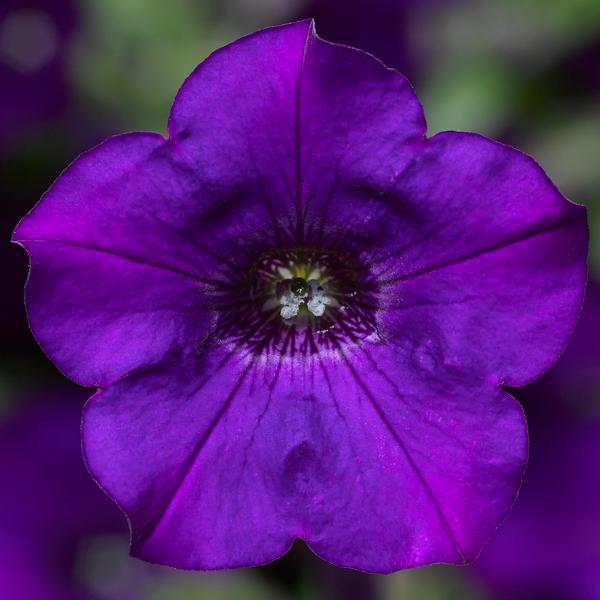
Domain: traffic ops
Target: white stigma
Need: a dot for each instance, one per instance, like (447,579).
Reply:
(317,298)
(293,293)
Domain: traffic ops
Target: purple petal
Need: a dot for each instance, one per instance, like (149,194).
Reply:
(176,448)
(276,117)
(491,265)
(245,461)
(112,284)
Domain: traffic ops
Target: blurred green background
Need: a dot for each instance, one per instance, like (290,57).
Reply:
(526,72)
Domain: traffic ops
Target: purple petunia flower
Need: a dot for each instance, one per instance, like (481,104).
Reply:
(548,547)
(379,27)
(34,37)
(300,313)
(48,504)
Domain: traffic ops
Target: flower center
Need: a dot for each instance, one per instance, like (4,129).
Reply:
(300,300)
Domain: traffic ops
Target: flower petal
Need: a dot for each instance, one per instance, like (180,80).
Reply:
(451,453)
(131,196)
(277,116)
(247,456)
(494,267)
(174,448)
(114,274)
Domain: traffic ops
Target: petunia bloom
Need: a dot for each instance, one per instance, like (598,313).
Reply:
(548,547)
(48,505)
(379,27)
(300,312)
(34,38)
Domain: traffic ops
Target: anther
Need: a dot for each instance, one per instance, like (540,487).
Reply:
(295,292)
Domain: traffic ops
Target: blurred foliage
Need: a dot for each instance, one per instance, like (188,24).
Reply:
(105,570)
(470,96)
(574,20)
(438,582)
(228,586)
(131,57)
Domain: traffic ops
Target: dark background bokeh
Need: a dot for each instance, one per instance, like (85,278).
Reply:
(73,72)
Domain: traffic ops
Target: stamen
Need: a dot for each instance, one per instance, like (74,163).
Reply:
(317,298)
(295,292)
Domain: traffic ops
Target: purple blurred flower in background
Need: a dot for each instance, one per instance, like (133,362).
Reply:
(380,27)
(548,547)
(48,504)
(33,39)
(300,313)
(343,21)
(583,69)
